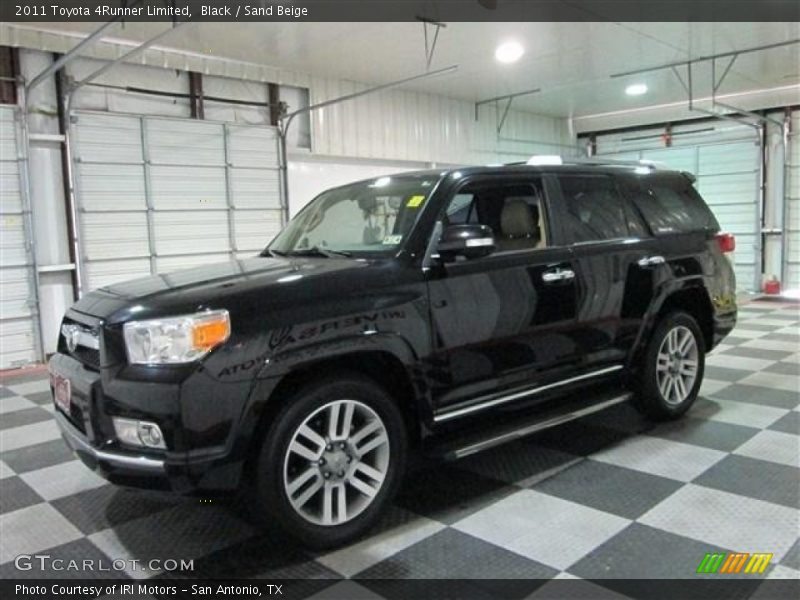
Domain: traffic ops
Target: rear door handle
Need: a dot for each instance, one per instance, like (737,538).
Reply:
(651,261)
(558,275)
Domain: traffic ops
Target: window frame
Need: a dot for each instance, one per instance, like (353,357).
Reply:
(563,216)
(506,180)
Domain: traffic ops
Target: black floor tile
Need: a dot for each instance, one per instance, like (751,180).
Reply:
(631,560)
(40,398)
(580,438)
(451,554)
(5,392)
(788,423)
(448,494)
(784,368)
(724,374)
(609,488)
(760,353)
(792,558)
(38,456)
(109,506)
(26,416)
(705,432)
(758,395)
(16,494)
(517,461)
(754,478)
(73,557)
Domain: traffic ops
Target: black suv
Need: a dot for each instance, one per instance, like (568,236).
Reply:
(433,313)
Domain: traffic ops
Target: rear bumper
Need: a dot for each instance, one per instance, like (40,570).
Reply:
(723,325)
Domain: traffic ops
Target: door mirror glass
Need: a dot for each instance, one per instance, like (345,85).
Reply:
(468,241)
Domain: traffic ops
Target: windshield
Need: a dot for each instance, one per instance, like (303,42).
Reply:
(366,217)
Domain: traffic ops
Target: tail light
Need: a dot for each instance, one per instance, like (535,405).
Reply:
(726,241)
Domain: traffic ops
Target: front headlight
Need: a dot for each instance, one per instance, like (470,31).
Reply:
(176,340)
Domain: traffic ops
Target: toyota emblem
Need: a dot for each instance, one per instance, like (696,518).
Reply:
(71,334)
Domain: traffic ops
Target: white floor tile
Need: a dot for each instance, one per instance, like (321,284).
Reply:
(727,520)
(359,556)
(550,530)
(15,403)
(774,446)
(794,358)
(738,413)
(31,387)
(62,480)
(5,470)
(666,458)
(32,529)
(28,435)
(742,332)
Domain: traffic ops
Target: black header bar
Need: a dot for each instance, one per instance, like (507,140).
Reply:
(248,11)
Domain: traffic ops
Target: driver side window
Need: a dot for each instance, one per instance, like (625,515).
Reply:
(514,212)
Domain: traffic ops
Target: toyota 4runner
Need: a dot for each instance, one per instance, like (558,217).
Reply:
(433,313)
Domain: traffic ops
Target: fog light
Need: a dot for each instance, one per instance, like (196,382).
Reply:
(138,433)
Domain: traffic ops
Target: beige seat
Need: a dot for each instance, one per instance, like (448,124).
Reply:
(519,225)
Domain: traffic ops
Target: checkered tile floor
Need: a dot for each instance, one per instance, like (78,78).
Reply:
(609,497)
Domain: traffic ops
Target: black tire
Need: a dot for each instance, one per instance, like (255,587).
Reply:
(270,499)
(649,398)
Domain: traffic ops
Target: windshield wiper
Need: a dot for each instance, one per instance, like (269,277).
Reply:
(319,251)
(271,252)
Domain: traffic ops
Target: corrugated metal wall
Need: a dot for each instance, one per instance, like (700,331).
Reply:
(18,334)
(792,226)
(725,158)
(157,194)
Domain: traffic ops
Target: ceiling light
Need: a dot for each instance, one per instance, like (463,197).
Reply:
(509,52)
(636,89)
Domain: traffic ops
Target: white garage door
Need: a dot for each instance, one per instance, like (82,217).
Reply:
(158,194)
(725,159)
(18,335)
(792,256)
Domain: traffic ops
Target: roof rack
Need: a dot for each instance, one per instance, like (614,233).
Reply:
(555,159)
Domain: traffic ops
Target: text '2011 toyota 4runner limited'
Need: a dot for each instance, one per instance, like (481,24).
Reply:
(434,313)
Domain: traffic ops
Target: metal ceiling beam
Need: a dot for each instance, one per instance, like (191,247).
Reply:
(705,58)
(90,39)
(128,55)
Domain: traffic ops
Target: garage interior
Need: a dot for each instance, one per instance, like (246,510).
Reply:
(129,149)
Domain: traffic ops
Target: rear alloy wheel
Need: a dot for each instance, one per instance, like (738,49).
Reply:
(330,461)
(672,368)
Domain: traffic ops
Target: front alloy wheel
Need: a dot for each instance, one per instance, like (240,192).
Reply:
(677,365)
(336,462)
(330,460)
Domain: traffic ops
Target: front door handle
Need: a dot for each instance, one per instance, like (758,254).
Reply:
(651,261)
(558,275)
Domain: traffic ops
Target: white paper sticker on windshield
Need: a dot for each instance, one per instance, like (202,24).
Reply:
(392,240)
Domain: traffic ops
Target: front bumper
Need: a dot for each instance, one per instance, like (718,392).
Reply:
(88,431)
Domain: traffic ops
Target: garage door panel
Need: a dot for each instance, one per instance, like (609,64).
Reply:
(188,188)
(745,248)
(255,229)
(738,188)
(103,273)
(252,147)
(182,232)
(728,158)
(108,138)
(184,142)
(255,188)
(15,295)
(106,187)
(114,235)
(10,198)
(19,341)
(679,159)
(12,240)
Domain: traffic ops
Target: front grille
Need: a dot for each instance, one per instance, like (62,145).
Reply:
(86,343)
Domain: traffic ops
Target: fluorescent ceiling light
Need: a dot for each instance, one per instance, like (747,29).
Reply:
(509,52)
(636,89)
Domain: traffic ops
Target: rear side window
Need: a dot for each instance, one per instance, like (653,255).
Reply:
(594,209)
(673,206)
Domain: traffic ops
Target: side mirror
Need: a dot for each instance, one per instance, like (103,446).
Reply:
(469,241)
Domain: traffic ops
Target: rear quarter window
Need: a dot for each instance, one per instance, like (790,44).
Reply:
(672,205)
